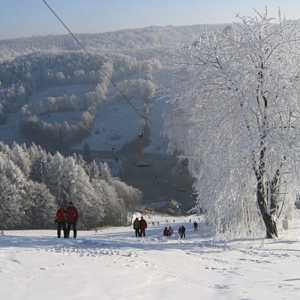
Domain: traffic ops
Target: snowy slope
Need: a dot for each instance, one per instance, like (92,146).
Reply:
(117,124)
(112,264)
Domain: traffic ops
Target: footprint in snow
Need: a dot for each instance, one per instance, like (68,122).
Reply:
(15,261)
(221,286)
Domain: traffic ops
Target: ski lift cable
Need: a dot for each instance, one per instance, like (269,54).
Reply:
(82,46)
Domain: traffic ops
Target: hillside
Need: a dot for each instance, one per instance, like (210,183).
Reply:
(58,97)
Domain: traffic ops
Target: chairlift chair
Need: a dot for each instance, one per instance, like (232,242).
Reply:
(141,163)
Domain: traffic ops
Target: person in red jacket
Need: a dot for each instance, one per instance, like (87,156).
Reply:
(60,220)
(72,218)
(143,226)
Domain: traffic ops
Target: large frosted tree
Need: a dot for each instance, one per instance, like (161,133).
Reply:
(236,117)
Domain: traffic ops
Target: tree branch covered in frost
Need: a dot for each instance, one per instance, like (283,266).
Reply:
(236,118)
(33,183)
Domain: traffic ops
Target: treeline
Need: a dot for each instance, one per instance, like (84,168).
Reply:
(65,134)
(143,40)
(127,67)
(28,74)
(34,182)
(137,88)
(58,135)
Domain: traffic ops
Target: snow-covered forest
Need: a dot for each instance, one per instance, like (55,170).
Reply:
(34,182)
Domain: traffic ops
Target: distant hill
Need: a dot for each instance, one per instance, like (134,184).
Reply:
(54,95)
(123,41)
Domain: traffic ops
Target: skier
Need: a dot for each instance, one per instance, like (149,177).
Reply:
(181,232)
(195,226)
(136,227)
(143,226)
(60,220)
(72,218)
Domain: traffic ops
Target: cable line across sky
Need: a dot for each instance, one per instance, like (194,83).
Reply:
(82,46)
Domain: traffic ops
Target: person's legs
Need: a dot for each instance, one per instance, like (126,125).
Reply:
(64,227)
(136,232)
(58,229)
(68,229)
(143,233)
(74,231)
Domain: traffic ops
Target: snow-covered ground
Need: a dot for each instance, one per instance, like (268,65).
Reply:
(112,264)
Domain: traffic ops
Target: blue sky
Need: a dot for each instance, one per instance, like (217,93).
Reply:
(31,17)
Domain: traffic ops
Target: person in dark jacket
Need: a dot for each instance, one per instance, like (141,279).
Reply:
(181,232)
(143,226)
(72,218)
(195,226)
(166,232)
(170,230)
(136,227)
(60,220)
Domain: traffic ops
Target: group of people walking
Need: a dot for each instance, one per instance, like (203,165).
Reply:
(66,219)
(140,227)
(168,231)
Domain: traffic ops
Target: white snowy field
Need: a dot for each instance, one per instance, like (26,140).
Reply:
(112,264)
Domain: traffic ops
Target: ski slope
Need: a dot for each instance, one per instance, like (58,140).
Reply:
(112,264)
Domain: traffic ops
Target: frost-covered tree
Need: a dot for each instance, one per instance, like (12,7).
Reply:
(236,117)
(12,200)
(41,206)
(10,204)
(20,157)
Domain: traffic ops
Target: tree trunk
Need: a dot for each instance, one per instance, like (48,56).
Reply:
(270,224)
